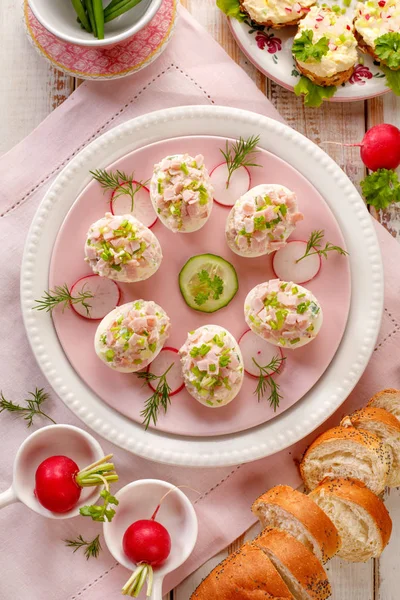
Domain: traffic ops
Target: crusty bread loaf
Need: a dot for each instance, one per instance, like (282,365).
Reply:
(299,568)
(388,399)
(347,452)
(384,425)
(282,507)
(360,516)
(336,79)
(248,574)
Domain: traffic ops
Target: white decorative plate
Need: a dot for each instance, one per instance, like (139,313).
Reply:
(270,50)
(365,311)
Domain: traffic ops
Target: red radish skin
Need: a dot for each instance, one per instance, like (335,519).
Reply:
(106,296)
(380,148)
(55,485)
(161,363)
(286,268)
(252,346)
(239,184)
(143,209)
(147,541)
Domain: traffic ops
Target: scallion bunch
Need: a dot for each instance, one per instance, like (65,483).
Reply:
(92,15)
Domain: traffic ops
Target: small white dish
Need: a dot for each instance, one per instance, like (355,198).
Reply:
(53,440)
(59,17)
(138,500)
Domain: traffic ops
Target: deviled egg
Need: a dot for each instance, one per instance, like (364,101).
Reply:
(275,13)
(132,335)
(181,192)
(261,220)
(121,248)
(212,365)
(283,313)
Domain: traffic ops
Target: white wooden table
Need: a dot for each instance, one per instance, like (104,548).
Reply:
(31,89)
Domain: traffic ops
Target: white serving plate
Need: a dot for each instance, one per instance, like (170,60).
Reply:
(275,59)
(365,311)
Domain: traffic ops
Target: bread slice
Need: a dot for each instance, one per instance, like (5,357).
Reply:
(282,507)
(271,23)
(388,399)
(387,427)
(248,574)
(360,516)
(347,452)
(299,568)
(336,79)
(367,49)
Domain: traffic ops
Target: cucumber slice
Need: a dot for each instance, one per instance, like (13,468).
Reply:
(208,282)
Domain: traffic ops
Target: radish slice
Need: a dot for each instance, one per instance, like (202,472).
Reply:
(239,184)
(142,207)
(161,363)
(287,269)
(252,346)
(106,296)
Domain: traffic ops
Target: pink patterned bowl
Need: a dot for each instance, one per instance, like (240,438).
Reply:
(59,17)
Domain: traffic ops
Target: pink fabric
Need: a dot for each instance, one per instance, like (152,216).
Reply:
(36,565)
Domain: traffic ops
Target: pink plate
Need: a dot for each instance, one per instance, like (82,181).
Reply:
(186,416)
(110,62)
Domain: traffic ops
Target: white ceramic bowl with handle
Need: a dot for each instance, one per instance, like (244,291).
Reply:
(54,440)
(59,17)
(138,500)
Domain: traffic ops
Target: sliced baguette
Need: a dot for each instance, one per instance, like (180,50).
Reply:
(388,399)
(299,568)
(360,516)
(248,574)
(384,425)
(336,79)
(350,453)
(282,507)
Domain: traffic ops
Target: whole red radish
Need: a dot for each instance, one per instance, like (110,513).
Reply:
(380,148)
(59,483)
(148,542)
(56,487)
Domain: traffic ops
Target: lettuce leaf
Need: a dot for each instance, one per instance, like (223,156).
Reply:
(381,188)
(304,49)
(231,8)
(313,94)
(387,48)
(392,79)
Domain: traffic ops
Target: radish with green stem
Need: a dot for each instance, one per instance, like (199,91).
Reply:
(59,483)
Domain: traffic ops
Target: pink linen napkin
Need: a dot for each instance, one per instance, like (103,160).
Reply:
(36,565)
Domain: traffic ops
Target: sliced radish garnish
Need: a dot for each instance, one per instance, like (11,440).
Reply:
(161,363)
(106,296)
(121,204)
(287,269)
(239,184)
(252,346)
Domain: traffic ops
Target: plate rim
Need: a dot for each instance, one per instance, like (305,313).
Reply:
(354,351)
(233,23)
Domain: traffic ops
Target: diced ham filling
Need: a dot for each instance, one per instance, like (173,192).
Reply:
(182,192)
(122,248)
(139,330)
(211,365)
(260,223)
(282,312)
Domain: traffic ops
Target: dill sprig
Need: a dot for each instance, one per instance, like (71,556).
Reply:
(32,408)
(159,400)
(240,154)
(119,183)
(93,548)
(314,246)
(62,295)
(266,382)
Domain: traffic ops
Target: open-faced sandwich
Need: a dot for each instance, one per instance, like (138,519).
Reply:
(325,48)
(276,13)
(377,24)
